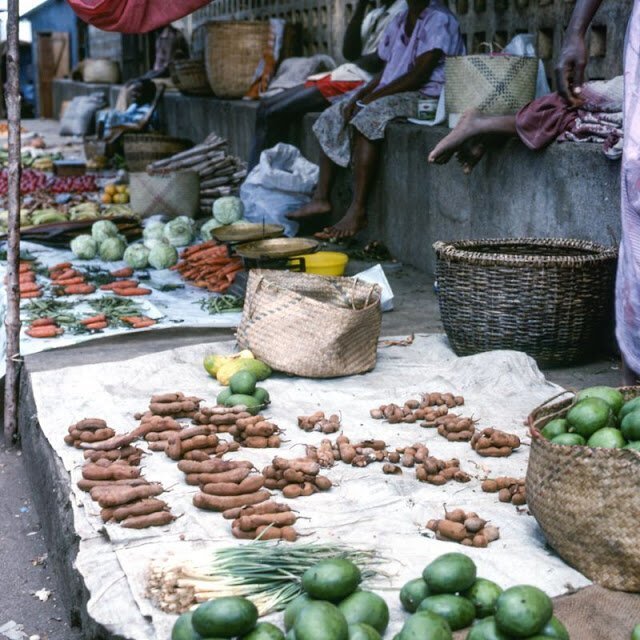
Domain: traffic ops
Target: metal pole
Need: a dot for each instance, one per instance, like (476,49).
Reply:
(12,320)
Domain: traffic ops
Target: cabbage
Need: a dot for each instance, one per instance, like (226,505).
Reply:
(228,209)
(137,256)
(163,256)
(179,231)
(112,249)
(154,230)
(206,230)
(153,242)
(103,229)
(84,247)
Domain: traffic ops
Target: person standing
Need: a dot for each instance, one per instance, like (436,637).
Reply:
(570,77)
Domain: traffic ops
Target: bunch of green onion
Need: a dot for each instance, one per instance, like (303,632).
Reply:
(269,574)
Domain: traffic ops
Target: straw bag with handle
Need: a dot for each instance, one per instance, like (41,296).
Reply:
(172,193)
(587,501)
(311,326)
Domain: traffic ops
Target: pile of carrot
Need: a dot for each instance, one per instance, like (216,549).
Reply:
(29,288)
(126,287)
(44,328)
(138,322)
(69,281)
(209,266)
(96,323)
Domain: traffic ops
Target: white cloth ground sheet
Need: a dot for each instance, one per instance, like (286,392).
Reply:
(365,507)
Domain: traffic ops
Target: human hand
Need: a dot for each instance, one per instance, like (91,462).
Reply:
(351,110)
(570,68)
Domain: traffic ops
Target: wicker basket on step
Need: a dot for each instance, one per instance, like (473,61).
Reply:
(551,298)
(190,77)
(232,53)
(141,149)
(587,501)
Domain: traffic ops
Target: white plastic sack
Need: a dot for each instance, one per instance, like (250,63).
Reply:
(524,45)
(376,275)
(77,119)
(282,182)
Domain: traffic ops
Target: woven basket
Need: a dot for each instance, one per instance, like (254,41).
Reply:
(587,501)
(552,298)
(495,85)
(173,194)
(190,77)
(232,53)
(311,326)
(100,71)
(141,149)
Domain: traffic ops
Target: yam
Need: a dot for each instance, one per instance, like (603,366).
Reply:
(222,503)
(258,509)
(141,508)
(306,465)
(452,530)
(93,471)
(249,523)
(87,485)
(114,496)
(233,475)
(213,465)
(249,485)
(157,519)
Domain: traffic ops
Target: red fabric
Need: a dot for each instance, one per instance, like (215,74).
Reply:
(133,16)
(540,122)
(333,88)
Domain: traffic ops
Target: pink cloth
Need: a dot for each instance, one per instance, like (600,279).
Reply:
(133,16)
(541,122)
(628,281)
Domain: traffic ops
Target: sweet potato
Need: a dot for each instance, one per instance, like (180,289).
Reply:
(97,436)
(213,465)
(249,523)
(91,424)
(93,471)
(222,503)
(257,509)
(198,442)
(249,485)
(306,465)
(452,530)
(274,533)
(115,496)
(157,519)
(140,508)
(88,485)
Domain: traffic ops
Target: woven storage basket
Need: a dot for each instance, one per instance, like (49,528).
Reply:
(587,501)
(496,85)
(311,326)
(552,298)
(232,53)
(190,77)
(175,193)
(141,149)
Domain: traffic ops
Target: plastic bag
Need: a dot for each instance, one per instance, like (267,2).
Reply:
(377,275)
(282,182)
(524,45)
(77,119)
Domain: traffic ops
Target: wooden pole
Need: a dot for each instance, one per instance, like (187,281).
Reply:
(12,319)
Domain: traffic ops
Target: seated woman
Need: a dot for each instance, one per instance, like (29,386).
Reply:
(413,49)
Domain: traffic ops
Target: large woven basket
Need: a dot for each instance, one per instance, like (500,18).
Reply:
(309,325)
(141,149)
(232,53)
(173,194)
(552,298)
(493,84)
(190,77)
(587,501)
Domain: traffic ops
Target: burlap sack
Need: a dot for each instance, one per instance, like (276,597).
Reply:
(311,326)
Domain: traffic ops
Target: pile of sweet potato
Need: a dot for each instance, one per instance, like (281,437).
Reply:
(465,528)
(427,409)
(319,422)
(494,443)
(268,521)
(298,477)
(508,489)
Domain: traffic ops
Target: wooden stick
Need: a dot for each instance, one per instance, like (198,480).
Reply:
(12,321)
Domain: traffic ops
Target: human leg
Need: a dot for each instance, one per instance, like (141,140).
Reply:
(320,204)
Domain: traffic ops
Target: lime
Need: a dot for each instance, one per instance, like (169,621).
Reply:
(262,396)
(424,625)
(362,631)
(225,617)
(629,406)
(365,606)
(183,628)
(243,383)
(555,428)
(569,439)
(264,631)
(523,610)
(630,426)
(634,446)
(589,415)
(294,608)
(555,629)
(610,395)
(413,593)
(450,573)
(607,438)
(321,621)
(331,580)
(456,610)
(486,629)
(483,593)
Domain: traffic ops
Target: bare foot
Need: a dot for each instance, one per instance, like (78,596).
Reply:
(354,221)
(468,126)
(310,210)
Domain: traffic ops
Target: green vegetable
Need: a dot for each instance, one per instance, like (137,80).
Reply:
(137,256)
(630,406)
(221,304)
(363,631)
(456,610)
(630,426)
(523,611)
(569,439)
(153,231)
(294,608)
(589,415)
(150,243)
(103,229)
(237,399)
(484,594)
(555,428)
(264,631)
(321,620)
(225,617)
(84,247)
(610,395)
(450,573)
(607,438)
(163,256)
(179,232)
(112,249)
(425,624)
(413,593)
(486,629)
(243,382)
(183,628)
(228,210)
(331,580)
(365,607)
(555,629)
(206,230)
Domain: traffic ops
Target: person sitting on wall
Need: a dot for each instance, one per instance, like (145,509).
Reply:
(360,45)
(413,49)
(596,118)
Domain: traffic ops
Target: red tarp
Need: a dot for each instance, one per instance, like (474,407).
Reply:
(133,16)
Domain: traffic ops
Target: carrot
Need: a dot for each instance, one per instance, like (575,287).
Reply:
(143,323)
(119,284)
(65,275)
(95,326)
(26,287)
(31,294)
(60,267)
(70,281)
(99,318)
(43,322)
(49,331)
(125,272)
(28,276)
(78,289)
(132,291)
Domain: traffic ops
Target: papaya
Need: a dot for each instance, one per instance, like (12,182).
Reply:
(259,369)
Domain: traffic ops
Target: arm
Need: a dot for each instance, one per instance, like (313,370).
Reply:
(368,88)
(573,57)
(371,63)
(410,81)
(352,43)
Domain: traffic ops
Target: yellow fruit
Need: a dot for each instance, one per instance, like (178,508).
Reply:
(213,362)
(121,188)
(228,369)
(124,198)
(106,198)
(118,198)
(245,354)
(111,189)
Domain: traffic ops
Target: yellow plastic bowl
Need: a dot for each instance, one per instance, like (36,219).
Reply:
(326,263)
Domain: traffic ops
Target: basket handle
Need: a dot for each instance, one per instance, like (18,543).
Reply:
(252,302)
(356,281)
(530,420)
